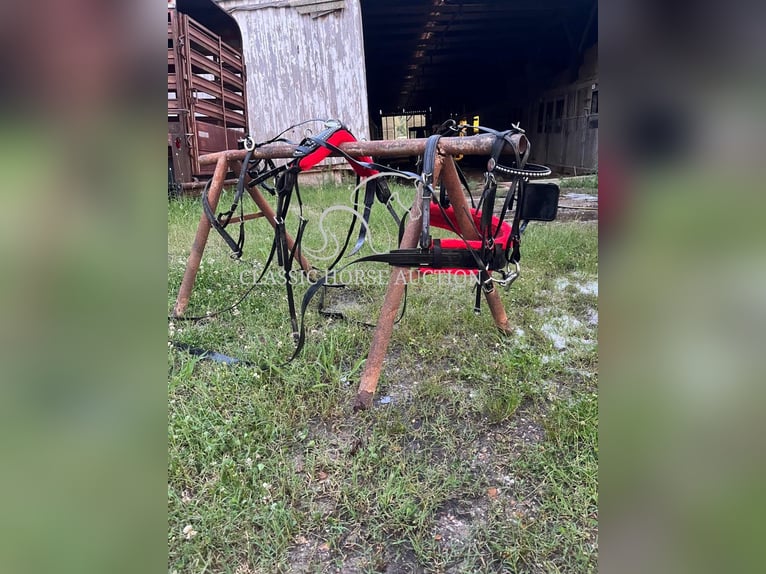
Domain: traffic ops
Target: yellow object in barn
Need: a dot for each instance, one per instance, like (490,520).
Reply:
(464,122)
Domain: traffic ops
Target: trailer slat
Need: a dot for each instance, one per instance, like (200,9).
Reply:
(207,107)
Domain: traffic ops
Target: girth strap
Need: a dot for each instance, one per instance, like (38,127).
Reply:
(373,188)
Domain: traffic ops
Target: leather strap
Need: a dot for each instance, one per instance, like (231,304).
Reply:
(426,188)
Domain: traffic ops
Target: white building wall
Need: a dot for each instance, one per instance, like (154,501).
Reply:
(301,67)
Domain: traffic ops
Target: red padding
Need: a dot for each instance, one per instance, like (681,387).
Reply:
(438,220)
(337,138)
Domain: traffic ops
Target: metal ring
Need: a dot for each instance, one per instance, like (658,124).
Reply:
(249,143)
(508,278)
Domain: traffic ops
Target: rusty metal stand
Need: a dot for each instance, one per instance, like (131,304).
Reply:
(444,168)
(222,162)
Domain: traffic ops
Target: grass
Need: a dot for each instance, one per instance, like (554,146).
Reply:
(589,182)
(484,459)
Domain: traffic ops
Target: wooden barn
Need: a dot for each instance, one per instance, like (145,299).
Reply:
(563,123)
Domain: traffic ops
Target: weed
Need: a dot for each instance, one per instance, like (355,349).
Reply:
(583,181)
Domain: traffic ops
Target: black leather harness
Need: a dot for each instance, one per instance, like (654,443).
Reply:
(497,251)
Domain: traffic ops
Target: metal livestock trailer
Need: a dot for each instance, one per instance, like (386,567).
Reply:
(207,105)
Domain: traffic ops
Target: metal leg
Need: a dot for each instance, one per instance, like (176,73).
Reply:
(203,231)
(200,239)
(462,214)
(385,326)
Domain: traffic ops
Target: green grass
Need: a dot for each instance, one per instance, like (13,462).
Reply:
(582,181)
(485,460)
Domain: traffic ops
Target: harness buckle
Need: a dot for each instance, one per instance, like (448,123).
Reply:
(487,286)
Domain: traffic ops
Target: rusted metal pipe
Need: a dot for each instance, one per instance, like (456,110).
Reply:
(203,231)
(497,309)
(246,217)
(463,216)
(456,196)
(197,185)
(385,326)
(200,239)
(469,145)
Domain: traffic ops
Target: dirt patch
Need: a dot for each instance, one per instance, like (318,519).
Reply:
(490,451)
(524,432)
(307,554)
(338,439)
(342,301)
(402,376)
(454,521)
(400,380)
(499,450)
(401,560)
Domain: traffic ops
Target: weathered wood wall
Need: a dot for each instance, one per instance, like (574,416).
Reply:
(300,66)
